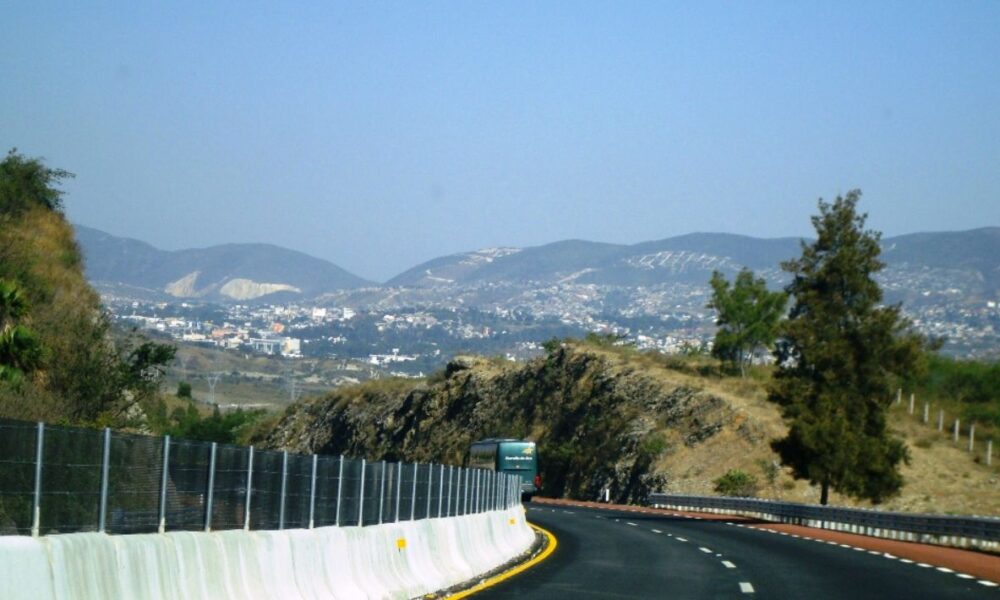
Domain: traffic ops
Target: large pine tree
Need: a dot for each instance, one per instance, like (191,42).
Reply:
(838,355)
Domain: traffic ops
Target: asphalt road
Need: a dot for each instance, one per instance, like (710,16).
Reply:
(611,554)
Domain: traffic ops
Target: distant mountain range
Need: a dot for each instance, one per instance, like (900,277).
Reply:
(244,272)
(229,272)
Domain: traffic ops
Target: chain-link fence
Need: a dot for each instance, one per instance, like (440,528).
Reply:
(56,479)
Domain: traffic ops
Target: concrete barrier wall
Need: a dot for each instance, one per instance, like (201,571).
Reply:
(394,560)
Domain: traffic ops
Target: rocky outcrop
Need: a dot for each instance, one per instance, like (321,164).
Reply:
(600,421)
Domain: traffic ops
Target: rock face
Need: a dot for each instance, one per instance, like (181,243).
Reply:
(599,421)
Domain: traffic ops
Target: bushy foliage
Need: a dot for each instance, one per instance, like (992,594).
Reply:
(738,483)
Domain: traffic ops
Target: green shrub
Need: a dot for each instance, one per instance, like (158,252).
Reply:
(737,482)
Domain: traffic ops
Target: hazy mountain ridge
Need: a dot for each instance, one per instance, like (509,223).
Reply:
(229,272)
(968,260)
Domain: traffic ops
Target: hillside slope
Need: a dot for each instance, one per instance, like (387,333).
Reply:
(603,417)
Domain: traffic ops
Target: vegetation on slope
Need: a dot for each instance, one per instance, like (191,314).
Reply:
(83,374)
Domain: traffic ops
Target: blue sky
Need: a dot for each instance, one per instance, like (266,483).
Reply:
(378,135)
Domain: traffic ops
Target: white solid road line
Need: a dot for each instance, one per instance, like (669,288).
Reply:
(728,564)
(745,587)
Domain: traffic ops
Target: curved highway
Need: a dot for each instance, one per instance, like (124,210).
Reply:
(618,554)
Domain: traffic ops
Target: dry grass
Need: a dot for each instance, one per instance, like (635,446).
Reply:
(940,478)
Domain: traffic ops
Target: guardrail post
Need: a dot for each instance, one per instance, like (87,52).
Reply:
(312,494)
(941,419)
(284,487)
(399,487)
(340,489)
(164,482)
(911,403)
(211,488)
(927,411)
(440,491)
(361,496)
(36,509)
(989,453)
(972,436)
(413,501)
(246,503)
(381,495)
(955,432)
(102,517)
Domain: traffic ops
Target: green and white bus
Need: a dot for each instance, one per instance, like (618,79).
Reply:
(514,457)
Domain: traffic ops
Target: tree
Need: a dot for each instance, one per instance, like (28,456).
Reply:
(748,317)
(27,181)
(837,356)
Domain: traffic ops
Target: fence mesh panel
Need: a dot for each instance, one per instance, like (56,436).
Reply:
(71,476)
(349,509)
(298,491)
(17,476)
(135,473)
(406,492)
(187,485)
(229,495)
(265,504)
(327,472)
(72,470)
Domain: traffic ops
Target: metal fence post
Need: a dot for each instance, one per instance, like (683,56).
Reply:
(381,495)
(399,486)
(164,481)
(312,494)
(284,484)
(475,493)
(451,490)
(361,496)
(441,491)
(36,510)
(465,500)
(413,502)
(430,483)
(102,517)
(211,488)
(246,503)
(340,487)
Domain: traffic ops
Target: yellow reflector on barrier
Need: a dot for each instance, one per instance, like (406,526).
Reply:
(513,522)
(401,543)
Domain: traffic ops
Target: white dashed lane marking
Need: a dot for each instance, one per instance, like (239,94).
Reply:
(632,524)
(680,539)
(728,564)
(705,550)
(745,587)
(656,531)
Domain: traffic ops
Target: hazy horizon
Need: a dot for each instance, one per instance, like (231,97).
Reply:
(379,136)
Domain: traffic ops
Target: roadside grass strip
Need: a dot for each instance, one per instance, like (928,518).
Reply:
(549,549)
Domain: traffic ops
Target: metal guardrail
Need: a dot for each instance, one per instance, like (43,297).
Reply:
(981,532)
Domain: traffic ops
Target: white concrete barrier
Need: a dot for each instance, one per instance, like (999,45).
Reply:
(394,560)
